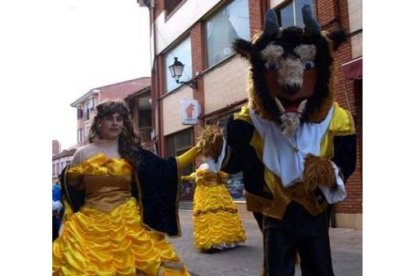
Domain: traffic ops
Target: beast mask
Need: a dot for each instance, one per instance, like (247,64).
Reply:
(290,78)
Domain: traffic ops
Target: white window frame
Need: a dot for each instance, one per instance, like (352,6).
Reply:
(210,62)
(295,16)
(183,47)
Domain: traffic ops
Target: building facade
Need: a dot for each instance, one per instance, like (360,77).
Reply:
(55,147)
(59,161)
(136,94)
(199,34)
(139,104)
(85,105)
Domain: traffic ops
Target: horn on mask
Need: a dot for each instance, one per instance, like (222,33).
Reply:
(271,28)
(311,25)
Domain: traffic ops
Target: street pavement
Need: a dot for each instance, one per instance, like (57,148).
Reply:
(246,260)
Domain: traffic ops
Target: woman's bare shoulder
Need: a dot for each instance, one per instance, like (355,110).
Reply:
(82,153)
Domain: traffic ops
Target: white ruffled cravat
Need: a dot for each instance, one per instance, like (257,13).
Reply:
(285,156)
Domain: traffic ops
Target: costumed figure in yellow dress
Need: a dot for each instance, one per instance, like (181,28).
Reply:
(217,223)
(120,202)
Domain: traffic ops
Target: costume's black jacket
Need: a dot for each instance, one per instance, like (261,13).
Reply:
(243,156)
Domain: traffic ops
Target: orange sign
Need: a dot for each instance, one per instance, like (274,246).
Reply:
(189,111)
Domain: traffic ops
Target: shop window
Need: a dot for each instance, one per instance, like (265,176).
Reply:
(235,185)
(177,144)
(228,24)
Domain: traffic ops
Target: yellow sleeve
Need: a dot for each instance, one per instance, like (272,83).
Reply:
(186,158)
(244,114)
(190,177)
(342,122)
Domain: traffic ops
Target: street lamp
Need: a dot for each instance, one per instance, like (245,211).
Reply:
(176,71)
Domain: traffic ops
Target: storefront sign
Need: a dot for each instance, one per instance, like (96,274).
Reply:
(189,111)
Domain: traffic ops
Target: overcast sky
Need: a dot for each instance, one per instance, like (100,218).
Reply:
(83,44)
(51,53)
(100,42)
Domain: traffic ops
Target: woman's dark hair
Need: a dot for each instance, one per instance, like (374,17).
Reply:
(128,139)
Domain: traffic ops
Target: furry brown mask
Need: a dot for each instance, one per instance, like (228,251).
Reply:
(211,141)
(290,73)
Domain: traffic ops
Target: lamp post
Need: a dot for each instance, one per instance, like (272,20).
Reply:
(176,71)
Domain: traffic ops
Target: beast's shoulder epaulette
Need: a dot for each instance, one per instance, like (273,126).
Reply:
(342,122)
(243,114)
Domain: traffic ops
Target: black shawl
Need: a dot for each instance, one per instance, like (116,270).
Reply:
(155,187)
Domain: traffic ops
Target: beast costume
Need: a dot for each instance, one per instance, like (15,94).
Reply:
(294,144)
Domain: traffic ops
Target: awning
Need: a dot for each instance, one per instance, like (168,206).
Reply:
(352,70)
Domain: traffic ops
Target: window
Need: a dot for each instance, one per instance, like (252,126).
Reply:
(230,23)
(80,135)
(54,169)
(170,5)
(144,111)
(183,53)
(291,14)
(179,142)
(80,113)
(90,104)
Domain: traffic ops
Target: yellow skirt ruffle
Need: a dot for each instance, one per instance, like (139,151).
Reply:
(216,220)
(94,242)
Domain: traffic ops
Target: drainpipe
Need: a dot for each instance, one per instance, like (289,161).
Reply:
(156,82)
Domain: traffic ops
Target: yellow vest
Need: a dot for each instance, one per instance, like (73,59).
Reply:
(341,124)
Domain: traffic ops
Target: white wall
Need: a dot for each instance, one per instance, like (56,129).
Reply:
(274,3)
(171,110)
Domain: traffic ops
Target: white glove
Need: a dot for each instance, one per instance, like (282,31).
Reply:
(57,205)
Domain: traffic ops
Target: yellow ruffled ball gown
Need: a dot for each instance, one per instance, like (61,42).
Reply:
(217,224)
(107,236)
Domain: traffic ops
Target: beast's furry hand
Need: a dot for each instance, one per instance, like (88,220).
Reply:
(210,141)
(318,172)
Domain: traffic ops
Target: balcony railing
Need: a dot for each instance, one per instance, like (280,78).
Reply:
(145,134)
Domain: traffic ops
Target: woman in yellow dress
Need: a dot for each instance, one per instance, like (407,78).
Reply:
(216,220)
(120,203)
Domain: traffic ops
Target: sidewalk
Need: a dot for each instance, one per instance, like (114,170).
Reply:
(246,260)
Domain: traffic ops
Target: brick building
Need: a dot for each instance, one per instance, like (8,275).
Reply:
(199,34)
(55,147)
(136,94)
(85,105)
